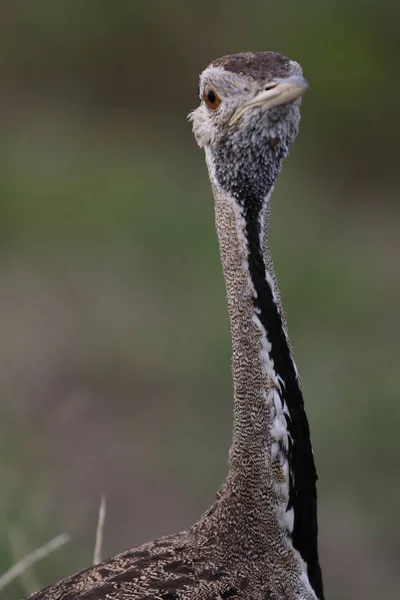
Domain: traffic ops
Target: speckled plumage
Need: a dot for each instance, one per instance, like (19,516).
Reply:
(259,539)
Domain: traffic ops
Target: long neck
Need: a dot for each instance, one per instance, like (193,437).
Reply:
(271,459)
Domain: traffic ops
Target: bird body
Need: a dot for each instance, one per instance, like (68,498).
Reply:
(258,541)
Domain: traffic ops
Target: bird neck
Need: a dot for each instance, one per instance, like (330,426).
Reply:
(256,322)
(271,466)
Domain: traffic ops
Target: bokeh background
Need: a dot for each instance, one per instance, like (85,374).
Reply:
(114,340)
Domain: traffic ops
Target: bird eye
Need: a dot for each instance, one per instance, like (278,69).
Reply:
(211,97)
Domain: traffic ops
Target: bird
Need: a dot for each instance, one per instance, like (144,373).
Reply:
(259,539)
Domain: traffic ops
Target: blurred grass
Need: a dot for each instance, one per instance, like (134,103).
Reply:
(114,346)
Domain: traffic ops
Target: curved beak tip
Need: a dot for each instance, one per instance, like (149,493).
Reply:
(303,83)
(296,84)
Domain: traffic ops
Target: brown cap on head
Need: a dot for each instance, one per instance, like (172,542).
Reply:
(259,65)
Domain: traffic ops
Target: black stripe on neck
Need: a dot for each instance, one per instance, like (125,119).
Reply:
(302,487)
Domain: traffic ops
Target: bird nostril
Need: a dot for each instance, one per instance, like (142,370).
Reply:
(271,85)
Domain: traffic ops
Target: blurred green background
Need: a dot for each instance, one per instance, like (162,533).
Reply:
(114,346)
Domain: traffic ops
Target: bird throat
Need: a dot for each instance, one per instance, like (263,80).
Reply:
(271,463)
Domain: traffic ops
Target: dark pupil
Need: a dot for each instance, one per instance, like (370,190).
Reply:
(211,96)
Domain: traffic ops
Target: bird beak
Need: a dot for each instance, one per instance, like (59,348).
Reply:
(276,92)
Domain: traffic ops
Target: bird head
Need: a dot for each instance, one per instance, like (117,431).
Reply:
(248,116)
(246,91)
